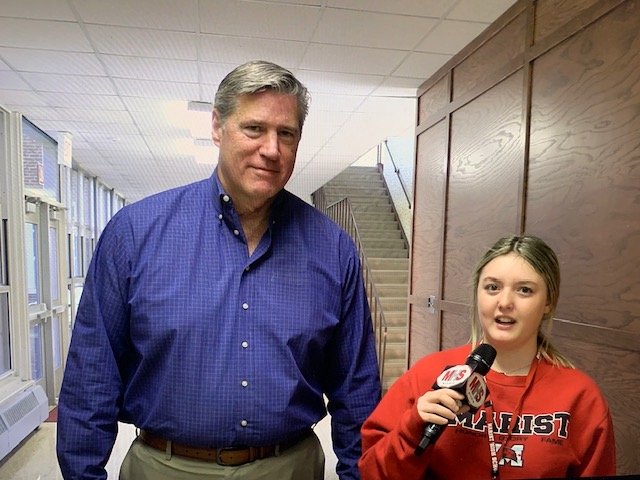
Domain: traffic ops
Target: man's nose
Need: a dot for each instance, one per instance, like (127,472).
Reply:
(270,145)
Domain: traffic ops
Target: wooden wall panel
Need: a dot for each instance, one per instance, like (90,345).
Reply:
(434,99)
(456,330)
(429,194)
(484,182)
(553,150)
(584,179)
(616,374)
(493,56)
(554,14)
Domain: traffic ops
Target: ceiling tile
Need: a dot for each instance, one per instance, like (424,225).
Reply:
(451,36)
(430,8)
(343,59)
(69,83)
(180,15)
(258,20)
(151,89)
(37,9)
(421,65)
(144,43)
(151,68)
(47,61)
(339,83)
(398,87)
(485,11)
(12,81)
(346,27)
(101,102)
(17,98)
(42,34)
(236,50)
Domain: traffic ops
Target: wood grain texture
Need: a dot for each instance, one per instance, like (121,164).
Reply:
(434,99)
(484,182)
(584,175)
(554,14)
(425,333)
(456,330)
(497,52)
(615,372)
(428,213)
(581,184)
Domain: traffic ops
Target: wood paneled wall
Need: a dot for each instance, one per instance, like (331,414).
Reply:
(535,127)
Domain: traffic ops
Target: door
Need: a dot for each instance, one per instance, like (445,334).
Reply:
(48,307)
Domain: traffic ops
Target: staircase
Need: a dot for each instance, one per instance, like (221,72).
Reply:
(386,252)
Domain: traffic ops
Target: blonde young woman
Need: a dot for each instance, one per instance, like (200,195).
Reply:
(549,420)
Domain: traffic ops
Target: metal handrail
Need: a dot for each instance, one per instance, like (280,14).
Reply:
(341,212)
(397,170)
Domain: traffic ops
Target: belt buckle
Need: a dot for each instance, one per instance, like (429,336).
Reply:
(221,462)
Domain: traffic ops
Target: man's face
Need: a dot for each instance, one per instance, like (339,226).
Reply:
(258,145)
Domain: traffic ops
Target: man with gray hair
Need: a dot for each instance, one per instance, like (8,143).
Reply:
(216,317)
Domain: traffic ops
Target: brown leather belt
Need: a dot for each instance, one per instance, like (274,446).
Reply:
(226,456)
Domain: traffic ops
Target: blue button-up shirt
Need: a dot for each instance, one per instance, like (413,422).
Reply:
(182,333)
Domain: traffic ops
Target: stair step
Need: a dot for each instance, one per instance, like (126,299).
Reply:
(397,334)
(386,253)
(397,318)
(396,310)
(378,263)
(359,190)
(391,243)
(392,289)
(390,276)
(371,207)
(395,351)
(381,233)
(372,219)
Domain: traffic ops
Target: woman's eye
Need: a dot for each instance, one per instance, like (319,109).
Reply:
(492,287)
(526,290)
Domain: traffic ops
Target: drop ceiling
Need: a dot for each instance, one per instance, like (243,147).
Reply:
(118,74)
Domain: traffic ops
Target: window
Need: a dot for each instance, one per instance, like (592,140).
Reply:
(32,260)
(40,163)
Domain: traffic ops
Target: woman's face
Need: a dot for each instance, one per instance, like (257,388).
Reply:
(512,299)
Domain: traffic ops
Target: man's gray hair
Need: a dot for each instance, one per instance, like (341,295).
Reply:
(256,76)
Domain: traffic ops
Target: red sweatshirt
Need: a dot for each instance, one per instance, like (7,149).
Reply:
(564,428)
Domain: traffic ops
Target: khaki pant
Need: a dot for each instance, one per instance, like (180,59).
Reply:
(303,461)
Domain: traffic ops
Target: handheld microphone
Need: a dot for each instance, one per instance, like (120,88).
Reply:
(467,379)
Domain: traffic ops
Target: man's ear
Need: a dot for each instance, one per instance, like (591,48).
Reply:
(216,128)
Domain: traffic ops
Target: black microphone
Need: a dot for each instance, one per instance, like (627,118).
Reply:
(467,379)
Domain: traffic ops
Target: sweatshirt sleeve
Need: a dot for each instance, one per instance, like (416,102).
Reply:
(391,434)
(599,450)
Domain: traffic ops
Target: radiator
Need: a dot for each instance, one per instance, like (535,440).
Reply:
(20,416)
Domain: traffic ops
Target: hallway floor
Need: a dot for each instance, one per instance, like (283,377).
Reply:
(35,457)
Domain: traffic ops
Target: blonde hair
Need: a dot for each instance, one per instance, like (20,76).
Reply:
(545,262)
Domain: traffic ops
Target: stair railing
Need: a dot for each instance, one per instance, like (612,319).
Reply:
(341,212)
(397,171)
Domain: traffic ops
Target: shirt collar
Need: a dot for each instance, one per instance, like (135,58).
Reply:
(277,208)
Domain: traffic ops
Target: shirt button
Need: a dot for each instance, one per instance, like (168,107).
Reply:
(245,344)
(245,383)
(236,232)
(246,269)
(245,306)
(220,216)
(225,198)
(244,423)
